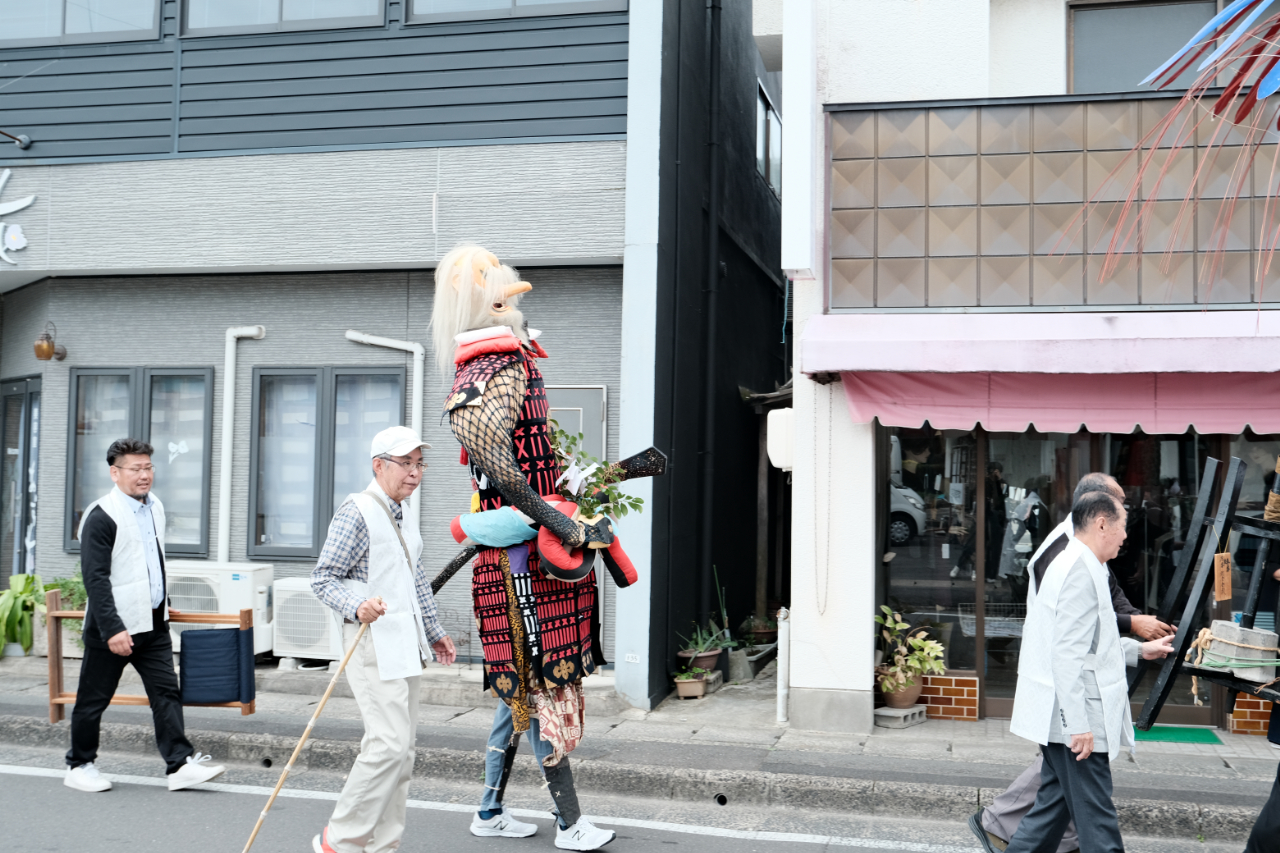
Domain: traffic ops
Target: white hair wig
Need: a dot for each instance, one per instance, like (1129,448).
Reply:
(473,291)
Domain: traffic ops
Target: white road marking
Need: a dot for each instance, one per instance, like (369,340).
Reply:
(745,835)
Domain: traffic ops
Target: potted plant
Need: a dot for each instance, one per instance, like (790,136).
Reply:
(18,607)
(761,632)
(74,597)
(702,647)
(691,683)
(908,657)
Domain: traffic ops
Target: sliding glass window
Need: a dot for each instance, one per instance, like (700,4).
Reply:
(312,430)
(469,10)
(26,23)
(171,408)
(219,17)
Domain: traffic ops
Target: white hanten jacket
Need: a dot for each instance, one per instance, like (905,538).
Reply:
(130,580)
(399,639)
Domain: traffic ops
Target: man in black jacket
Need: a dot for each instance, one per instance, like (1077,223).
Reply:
(127,622)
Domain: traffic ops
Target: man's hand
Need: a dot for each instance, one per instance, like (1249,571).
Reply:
(1082,745)
(121,644)
(1157,649)
(370,610)
(1149,627)
(444,650)
(173,611)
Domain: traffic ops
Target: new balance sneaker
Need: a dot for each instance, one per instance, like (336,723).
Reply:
(320,844)
(583,836)
(196,771)
(501,826)
(86,778)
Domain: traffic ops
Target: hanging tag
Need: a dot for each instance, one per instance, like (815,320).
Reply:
(1222,577)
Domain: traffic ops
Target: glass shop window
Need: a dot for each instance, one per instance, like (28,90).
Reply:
(310,449)
(172,409)
(768,141)
(1259,453)
(218,17)
(467,10)
(35,22)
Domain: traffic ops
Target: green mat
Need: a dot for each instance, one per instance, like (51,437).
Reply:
(1178,734)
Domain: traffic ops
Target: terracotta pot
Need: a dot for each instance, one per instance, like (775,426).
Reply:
(702,660)
(906,697)
(692,689)
(763,636)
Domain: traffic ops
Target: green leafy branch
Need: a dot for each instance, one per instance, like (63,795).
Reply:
(908,653)
(602,492)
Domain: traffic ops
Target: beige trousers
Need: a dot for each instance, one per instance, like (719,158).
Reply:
(370,813)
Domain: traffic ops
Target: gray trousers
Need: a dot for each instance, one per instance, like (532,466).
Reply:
(1002,817)
(1070,789)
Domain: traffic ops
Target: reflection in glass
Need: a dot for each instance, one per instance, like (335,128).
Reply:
(31,19)
(1259,453)
(310,10)
(365,406)
(177,433)
(11,483)
(106,16)
(440,7)
(102,416)
(203,14)
(286,461)
(775,152)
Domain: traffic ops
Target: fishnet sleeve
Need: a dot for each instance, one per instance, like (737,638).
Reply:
(485,431)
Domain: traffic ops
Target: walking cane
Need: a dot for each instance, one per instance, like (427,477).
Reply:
(306,734)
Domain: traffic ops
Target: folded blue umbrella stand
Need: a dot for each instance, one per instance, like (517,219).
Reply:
(216,667)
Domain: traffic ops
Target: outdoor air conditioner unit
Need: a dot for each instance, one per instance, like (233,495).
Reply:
(305,627)
(207,586)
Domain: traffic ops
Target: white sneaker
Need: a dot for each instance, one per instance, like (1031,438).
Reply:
(1269,743)
(501,826)
(194,772)
(86,778)
(955,573)
(583,836)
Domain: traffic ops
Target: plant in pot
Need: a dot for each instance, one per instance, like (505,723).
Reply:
(908,657)
(760,632)
(18,607)
(74,597)
(691,682)
(702,647)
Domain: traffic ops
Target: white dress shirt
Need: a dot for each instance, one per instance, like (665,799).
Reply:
(147,528)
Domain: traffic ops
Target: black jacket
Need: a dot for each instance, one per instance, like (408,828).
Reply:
(1119,601)
(97,539)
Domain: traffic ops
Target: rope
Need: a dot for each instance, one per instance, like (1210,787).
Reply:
(1200,646)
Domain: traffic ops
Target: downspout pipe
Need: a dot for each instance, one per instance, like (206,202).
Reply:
(415,400)
(713,282)
(228,433)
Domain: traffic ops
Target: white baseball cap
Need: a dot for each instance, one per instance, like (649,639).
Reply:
(396,441)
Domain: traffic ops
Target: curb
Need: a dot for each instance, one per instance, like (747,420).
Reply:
(1152,818)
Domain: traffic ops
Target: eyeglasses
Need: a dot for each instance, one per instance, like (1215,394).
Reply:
(408,464)
(144,469)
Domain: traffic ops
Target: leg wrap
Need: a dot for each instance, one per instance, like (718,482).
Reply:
(508,759)
(560,783)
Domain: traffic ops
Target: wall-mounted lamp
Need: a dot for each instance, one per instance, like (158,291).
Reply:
(46,348)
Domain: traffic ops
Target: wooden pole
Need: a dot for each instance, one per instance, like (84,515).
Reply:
(306,734)
(53,629)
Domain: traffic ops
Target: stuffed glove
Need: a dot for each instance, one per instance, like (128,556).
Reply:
(493,528)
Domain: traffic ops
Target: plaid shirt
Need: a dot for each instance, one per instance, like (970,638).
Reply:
(346,555)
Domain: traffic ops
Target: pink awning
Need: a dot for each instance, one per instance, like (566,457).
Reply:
(1216,371)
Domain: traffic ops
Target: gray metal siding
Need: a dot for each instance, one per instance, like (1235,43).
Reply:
(400,84)
(180,321)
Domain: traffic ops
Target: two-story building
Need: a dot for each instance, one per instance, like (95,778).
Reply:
(961,359)
(192,169)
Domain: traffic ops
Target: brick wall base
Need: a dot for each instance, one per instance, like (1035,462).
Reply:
(950,697)
(1250,717)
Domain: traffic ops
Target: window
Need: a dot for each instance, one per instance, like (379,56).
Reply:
(768,141)
(172,408)
(312,429)
(31,22)
(470,10)
(1113,47)
(216,17)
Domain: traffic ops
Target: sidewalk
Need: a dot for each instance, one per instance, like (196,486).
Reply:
(725,745)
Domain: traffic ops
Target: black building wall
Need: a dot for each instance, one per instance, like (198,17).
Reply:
(749,315)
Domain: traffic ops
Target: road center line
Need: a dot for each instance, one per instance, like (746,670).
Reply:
(746,835)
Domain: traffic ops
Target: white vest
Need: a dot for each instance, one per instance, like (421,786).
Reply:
(130,580)
(398,635)
(1036,697)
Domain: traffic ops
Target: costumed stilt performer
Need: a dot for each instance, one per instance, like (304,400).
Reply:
(533,584)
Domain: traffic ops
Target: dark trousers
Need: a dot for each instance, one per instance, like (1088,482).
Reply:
(1265,837)
(100,673)
(1070,790)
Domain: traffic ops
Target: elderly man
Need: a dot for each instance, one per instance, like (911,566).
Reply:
(999,821)
(371,571)
(127,622)
(1072,696)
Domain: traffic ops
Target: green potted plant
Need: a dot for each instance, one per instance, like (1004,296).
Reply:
(702,647)
(18,607)
(762,632)
(74,597)
(909,655)
(691,682)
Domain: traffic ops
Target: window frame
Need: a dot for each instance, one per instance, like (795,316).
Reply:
(150,34)
(139,425)
(1074,6)
(770,112)
(281,25)
(326,435)
(583,7)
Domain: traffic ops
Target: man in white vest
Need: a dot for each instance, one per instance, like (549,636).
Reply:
(126,621)
(1072,697)
(371,571)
